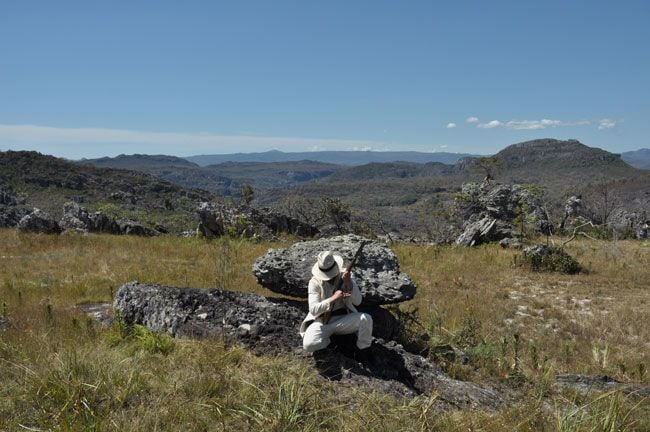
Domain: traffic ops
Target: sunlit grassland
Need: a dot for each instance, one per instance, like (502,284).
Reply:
(61,372)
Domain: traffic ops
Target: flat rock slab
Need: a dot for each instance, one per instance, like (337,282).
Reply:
(589,384)
(265,325)
(287,271)
(270,326)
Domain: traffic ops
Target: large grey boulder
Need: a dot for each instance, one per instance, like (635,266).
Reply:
(39,222)
(10,215)
(75,217)
(270,326)
(287,271)
(490,212)
(246,221)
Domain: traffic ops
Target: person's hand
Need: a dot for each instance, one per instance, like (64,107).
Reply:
(347,280)
(338,295)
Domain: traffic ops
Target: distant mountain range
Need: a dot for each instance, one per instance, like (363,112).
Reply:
(638,158)
(401,192)
(331,157)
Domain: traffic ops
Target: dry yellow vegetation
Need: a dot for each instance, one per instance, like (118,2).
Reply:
(59,371)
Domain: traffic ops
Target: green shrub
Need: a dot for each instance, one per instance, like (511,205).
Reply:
(550,258)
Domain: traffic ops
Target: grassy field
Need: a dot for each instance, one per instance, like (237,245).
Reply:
(59,371)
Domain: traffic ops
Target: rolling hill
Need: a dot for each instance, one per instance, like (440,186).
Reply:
(47,182)
(330,157)
(638,158)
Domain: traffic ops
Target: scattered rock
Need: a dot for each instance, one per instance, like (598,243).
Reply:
(287,271)
(511,243)
(4,323)
(270,326)
(131,227)
(39,222)
(491,209)
(101,313)
(572,210)
(643,231)
(105,224)
(245,221)
(587,384)
(550,258)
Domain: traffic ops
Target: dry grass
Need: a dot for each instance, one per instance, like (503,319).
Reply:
(587,323)
(59,372)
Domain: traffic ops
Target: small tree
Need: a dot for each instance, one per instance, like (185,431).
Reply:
(337,212)
(488,166)
(247,193)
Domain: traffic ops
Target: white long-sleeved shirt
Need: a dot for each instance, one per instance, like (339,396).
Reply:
(319,293)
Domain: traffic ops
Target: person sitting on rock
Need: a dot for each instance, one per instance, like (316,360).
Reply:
(332,311)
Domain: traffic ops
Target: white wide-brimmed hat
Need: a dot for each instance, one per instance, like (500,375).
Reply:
(328,266)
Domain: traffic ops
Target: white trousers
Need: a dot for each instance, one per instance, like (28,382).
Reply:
(318,334)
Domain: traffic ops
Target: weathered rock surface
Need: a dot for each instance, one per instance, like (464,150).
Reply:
(588,384)
(263,324)
(39,222)
(288,271)
(490,210)
(245,221)
(270,326)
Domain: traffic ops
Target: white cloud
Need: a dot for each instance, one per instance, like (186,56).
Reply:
(606,124)
(538,124)
(532,124)
(444,146)
(451,125)
(76,143)
(472,120)
(490,125)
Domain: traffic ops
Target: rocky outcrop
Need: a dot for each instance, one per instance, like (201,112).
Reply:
(270,326)
(75,217)
(287,271)
(491,211)
(10,215)
(78,218)
(7,195)
(38,222)
(245,221)
(10,211)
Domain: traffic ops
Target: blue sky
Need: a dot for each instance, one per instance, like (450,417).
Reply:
(95,78)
